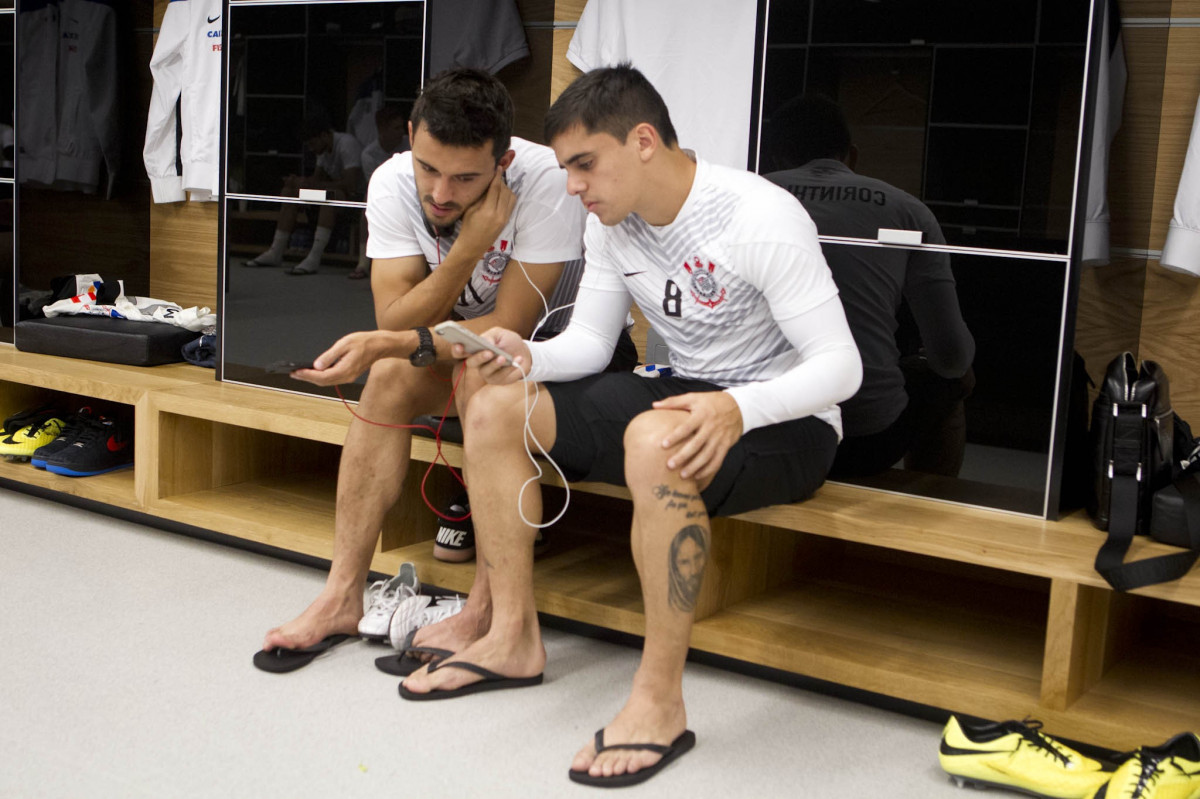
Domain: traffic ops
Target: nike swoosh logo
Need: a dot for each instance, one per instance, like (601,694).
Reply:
(214,19)
(631,274)
(947,749)
(116,446)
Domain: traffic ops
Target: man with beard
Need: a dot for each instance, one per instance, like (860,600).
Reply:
(471,224)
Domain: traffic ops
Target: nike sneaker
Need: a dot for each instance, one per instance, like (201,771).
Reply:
(383,597)
(27,417)
(22,443)
(1169,771)
(1017,756)
(103,445)
(455,539)
(72,427)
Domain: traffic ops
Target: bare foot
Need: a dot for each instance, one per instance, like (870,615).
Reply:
(512,657)
(327,615)
(457,632)
(643,720)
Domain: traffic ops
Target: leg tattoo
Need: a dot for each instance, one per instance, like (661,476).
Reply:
(689,555)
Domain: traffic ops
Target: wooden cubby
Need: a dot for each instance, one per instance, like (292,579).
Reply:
(973,611)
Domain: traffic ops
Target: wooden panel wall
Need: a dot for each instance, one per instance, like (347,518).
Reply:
(183,242)
(1170,330)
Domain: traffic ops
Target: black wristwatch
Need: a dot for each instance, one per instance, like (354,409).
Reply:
(424,354)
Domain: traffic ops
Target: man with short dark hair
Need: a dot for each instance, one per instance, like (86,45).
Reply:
(727,268)
(473,224)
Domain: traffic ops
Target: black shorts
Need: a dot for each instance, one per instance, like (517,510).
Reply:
(772,465)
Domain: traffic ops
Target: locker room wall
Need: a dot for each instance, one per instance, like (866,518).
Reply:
(1147,160)
(1133,303)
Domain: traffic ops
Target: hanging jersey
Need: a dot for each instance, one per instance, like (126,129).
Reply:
(186,67)
(468,33)
(545,227)
(68,127)
(1182,250)
(1110,102)
(710,282)
(680,45)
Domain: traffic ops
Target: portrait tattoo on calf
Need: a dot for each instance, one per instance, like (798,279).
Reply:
(689,556)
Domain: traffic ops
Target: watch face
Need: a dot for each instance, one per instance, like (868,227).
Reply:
(423,357)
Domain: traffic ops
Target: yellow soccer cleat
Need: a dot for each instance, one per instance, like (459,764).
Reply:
(1169,771)
(23,442)
(1018,756)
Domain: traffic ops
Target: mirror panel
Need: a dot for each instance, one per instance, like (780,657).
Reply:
(81,127)
(288,63)
(8,298)
(983,438)
(972,108)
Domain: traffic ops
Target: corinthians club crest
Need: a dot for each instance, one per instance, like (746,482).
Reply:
(705,288)
(494,262)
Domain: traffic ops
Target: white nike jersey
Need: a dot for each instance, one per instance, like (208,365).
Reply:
(741,254)
(1182,250)
(186,66)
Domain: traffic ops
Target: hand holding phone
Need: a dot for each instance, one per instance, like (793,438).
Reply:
(455,333)
(287,367)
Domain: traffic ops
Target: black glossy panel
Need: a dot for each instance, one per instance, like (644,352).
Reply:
(7,263)
(308,59)
(974,108)
(982,86)
(270,315)
(83,199)
(1000,455)
(926,21)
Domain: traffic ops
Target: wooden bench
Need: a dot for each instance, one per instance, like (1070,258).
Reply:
(975,611)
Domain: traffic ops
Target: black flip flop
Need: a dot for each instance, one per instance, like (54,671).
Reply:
(685,741)
(404,664)
(491,682)
(281,661)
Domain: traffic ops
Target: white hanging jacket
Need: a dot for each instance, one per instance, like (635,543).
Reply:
(186,66)
(1181,253)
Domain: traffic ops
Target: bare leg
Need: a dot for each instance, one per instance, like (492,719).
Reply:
(493,432)
(670,541)
(472,622)
(373,465)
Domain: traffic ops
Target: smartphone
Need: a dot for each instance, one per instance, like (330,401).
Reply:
(287,367)
(455,333)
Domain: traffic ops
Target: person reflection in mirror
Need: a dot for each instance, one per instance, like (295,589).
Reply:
(338,173)
(391,129)
(473,224)
(909,405)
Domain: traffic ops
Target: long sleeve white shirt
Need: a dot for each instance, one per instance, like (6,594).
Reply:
(186,66)
(1182,250)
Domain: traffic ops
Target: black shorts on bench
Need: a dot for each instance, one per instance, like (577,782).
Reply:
(773,465)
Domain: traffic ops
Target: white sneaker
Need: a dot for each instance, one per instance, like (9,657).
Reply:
(406,619)
(383,598)
(444,608)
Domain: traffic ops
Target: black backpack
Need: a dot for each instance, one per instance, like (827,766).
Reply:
(1132,438)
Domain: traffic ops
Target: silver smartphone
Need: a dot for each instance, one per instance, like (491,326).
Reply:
(455,333)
